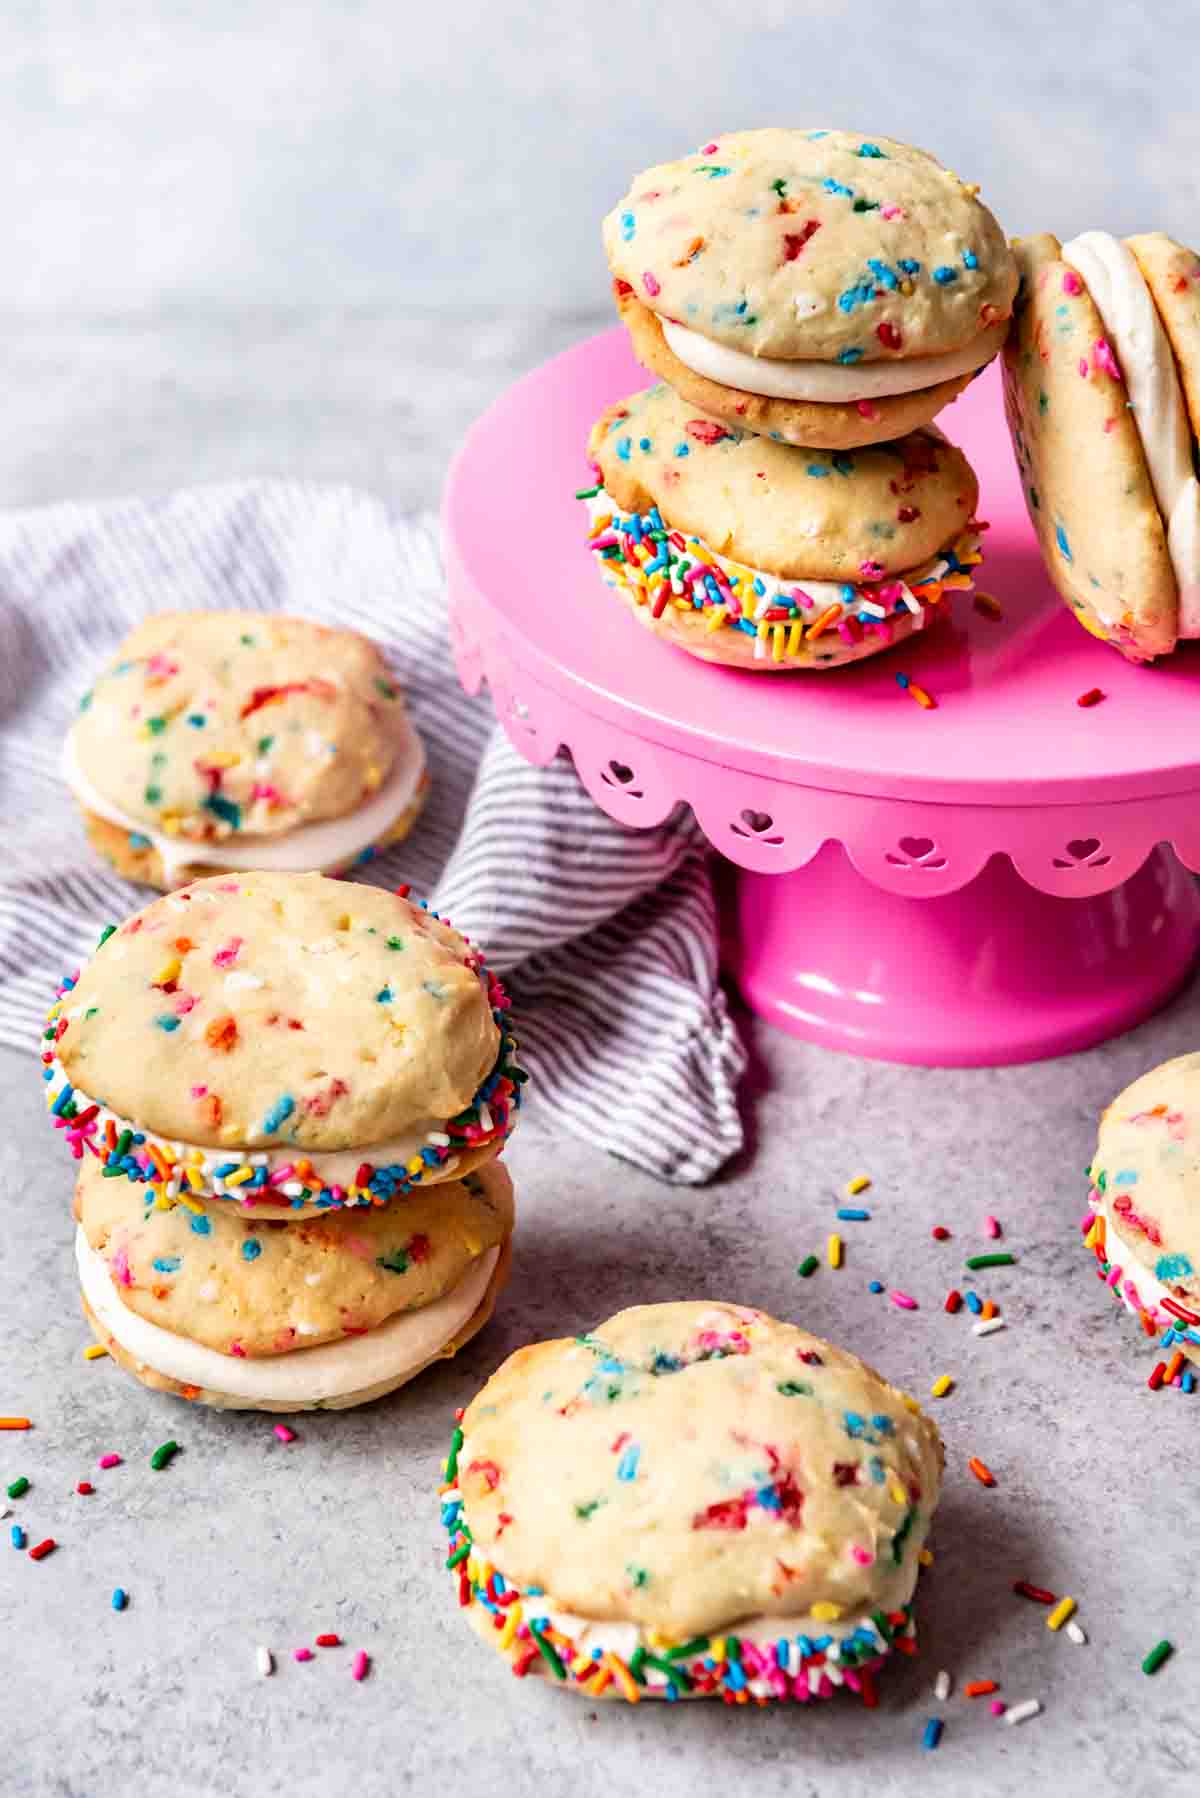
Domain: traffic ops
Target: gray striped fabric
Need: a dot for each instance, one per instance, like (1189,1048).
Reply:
(606,936)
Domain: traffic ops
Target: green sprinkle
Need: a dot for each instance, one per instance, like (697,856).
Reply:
(587,492)
(635,1664)
(124,1143)
(395,942)
(585,1510)
(793,1389)
(456,1442)
(879,1619)
(247,639)
(1161,1652)
(548,1652)
(395,1263)
(683,1651)
(156,726)
(901,1536)
(975,1262)
(18,1487)
(638,1575)
(152,795)
(733,1648)
(460,1554)
(163,1455)
(264,745)
(676,1675)
(808,1266)
(386,688)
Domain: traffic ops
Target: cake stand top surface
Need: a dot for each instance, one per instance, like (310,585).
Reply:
(1006,730)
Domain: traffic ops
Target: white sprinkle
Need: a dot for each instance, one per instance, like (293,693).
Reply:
(485,1118)
(240,981)
(988,1327)
(871,609)
(303,1328)
(292,1189)
(941,1686)
(5,1510)
(438,1139)
(312,1279)
(264,1660)
(1021,1713)
(1077,1633)
(910,599)
(760,650)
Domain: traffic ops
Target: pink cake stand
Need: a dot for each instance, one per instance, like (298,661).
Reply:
(990,881)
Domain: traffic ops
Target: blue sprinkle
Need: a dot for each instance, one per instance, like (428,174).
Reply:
(202,1225)
(883,1424)
(850,355)
(138,841)
(681,449)
(223,808)
(1126,1177)
(817,470)
(852,1214)
(628,226)
(883,274)
(251,1249)
(932,1733)
(843,463)
(1172,1267)
(871,150)
(970,259)
(1060,537)
(120,1598)
(645,445)
(16,1536)
(876,1469)
(167,1022)
(226,1168)
(835,187)
(168,1264)
(197,720)
(1188,1381)
(384,996)
(945,274)
(278,1114)
(624,446)
(627,1466)
(875,1286)
(902,680)
(974,1302)
(858,295)
(908,265)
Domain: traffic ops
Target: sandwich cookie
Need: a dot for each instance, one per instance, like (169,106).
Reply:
(767,557)
(243,1313)
(1102,393)
(811,285)
(692,1500)
(283,1043)
(1146,1199)
(236,740)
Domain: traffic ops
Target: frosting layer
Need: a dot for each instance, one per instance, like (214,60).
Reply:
(1121,297)
(305,1376)
(833,382)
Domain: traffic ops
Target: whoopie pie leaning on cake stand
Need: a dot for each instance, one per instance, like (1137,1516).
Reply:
(286,1096)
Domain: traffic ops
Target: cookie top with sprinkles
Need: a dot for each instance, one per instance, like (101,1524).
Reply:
(819,245)
(1147,1171)
(210,725)
(686,1466)
(845,515)
(280,1009)
(251,1286)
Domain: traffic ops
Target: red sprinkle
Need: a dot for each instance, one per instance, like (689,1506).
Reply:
(940,1233)
(1093,696)
(1156,1378)
(1039,1594)
(954,1300)
(329,1641)
(85,1488)
(43,1549)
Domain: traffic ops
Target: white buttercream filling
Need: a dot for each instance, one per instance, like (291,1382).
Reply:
(328,843)
(394,1350)
(1143,351)
(833,383)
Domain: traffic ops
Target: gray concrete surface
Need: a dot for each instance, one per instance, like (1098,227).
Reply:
(244,1541)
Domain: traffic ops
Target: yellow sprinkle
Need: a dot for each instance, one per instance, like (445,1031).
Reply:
(167,1154)
(223,758)
(859,1184)
(824,1611)
(415,1165)
(194,1178)
(910,1404)
(716,1648)
(599,1680)
(1090,1239)
(956,583)
(162,1202)
(778,636)
(189,1204)
(896,1492)
(239,1176)
(795,635)
(581,1665)
(942,1385)
(512,1624)
(602,523)
(835,1251)
(95,1351)
(762,628)
(906,288)
(715,619)
(1058,1616)
(925,1556)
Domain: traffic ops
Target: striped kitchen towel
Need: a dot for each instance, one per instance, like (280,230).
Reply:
(606,936)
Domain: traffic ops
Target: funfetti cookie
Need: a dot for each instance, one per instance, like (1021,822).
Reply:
(242,1312)
(692,1500)
(1146,1202)
(1102,393)
(237,740)
(284,1044)
(763,556)
(816,286)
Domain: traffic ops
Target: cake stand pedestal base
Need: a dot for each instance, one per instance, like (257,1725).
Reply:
(996,972)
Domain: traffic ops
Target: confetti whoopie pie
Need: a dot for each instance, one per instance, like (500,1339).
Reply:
(692,1500)
(764,556)
(811,285)
(285,1048)
(1102,393)
(1145,1199)
(236,740)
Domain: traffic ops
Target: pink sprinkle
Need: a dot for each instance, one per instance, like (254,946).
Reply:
(709,150)
(863,1556)
(225,958)
(801,598)
(1102,357)
(891,212)
(1083,367)
(199,1092)
(905,1302)
(302,1654)
(1071,282)
(284,1434)
(120,1267)
(109,1461)
(991,1226)
(997,1707)
(650,284)
(280,1174)
(184,1003)
(362,1662)
(866,409)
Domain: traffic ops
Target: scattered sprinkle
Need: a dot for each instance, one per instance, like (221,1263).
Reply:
(95,1351)
(904,1301)
(980,1688)
(932,1733)
(954,1300)
(1021,1713)
(999,1258)
(1093,696)
(875,1286)
(852,1214)
(1039,1594)
(362,1663)
(991,1227)
(1076,1633)
(302,1654)
(49,1545)
(15,1423)
(85,1488)
(941,1686)
(808,1267)
(940,1233)
(988,1327)
(925,700)
(942,1385)
(859,1184)
(1162,1651)
(1058,1616)
(264,1660)
(834,1252)
(989,606)
(982,1471)
(18,1487)
(329,1640)
(163,1455)
(16,1536)
(107,1461)
(120,1598)
(284,1433)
